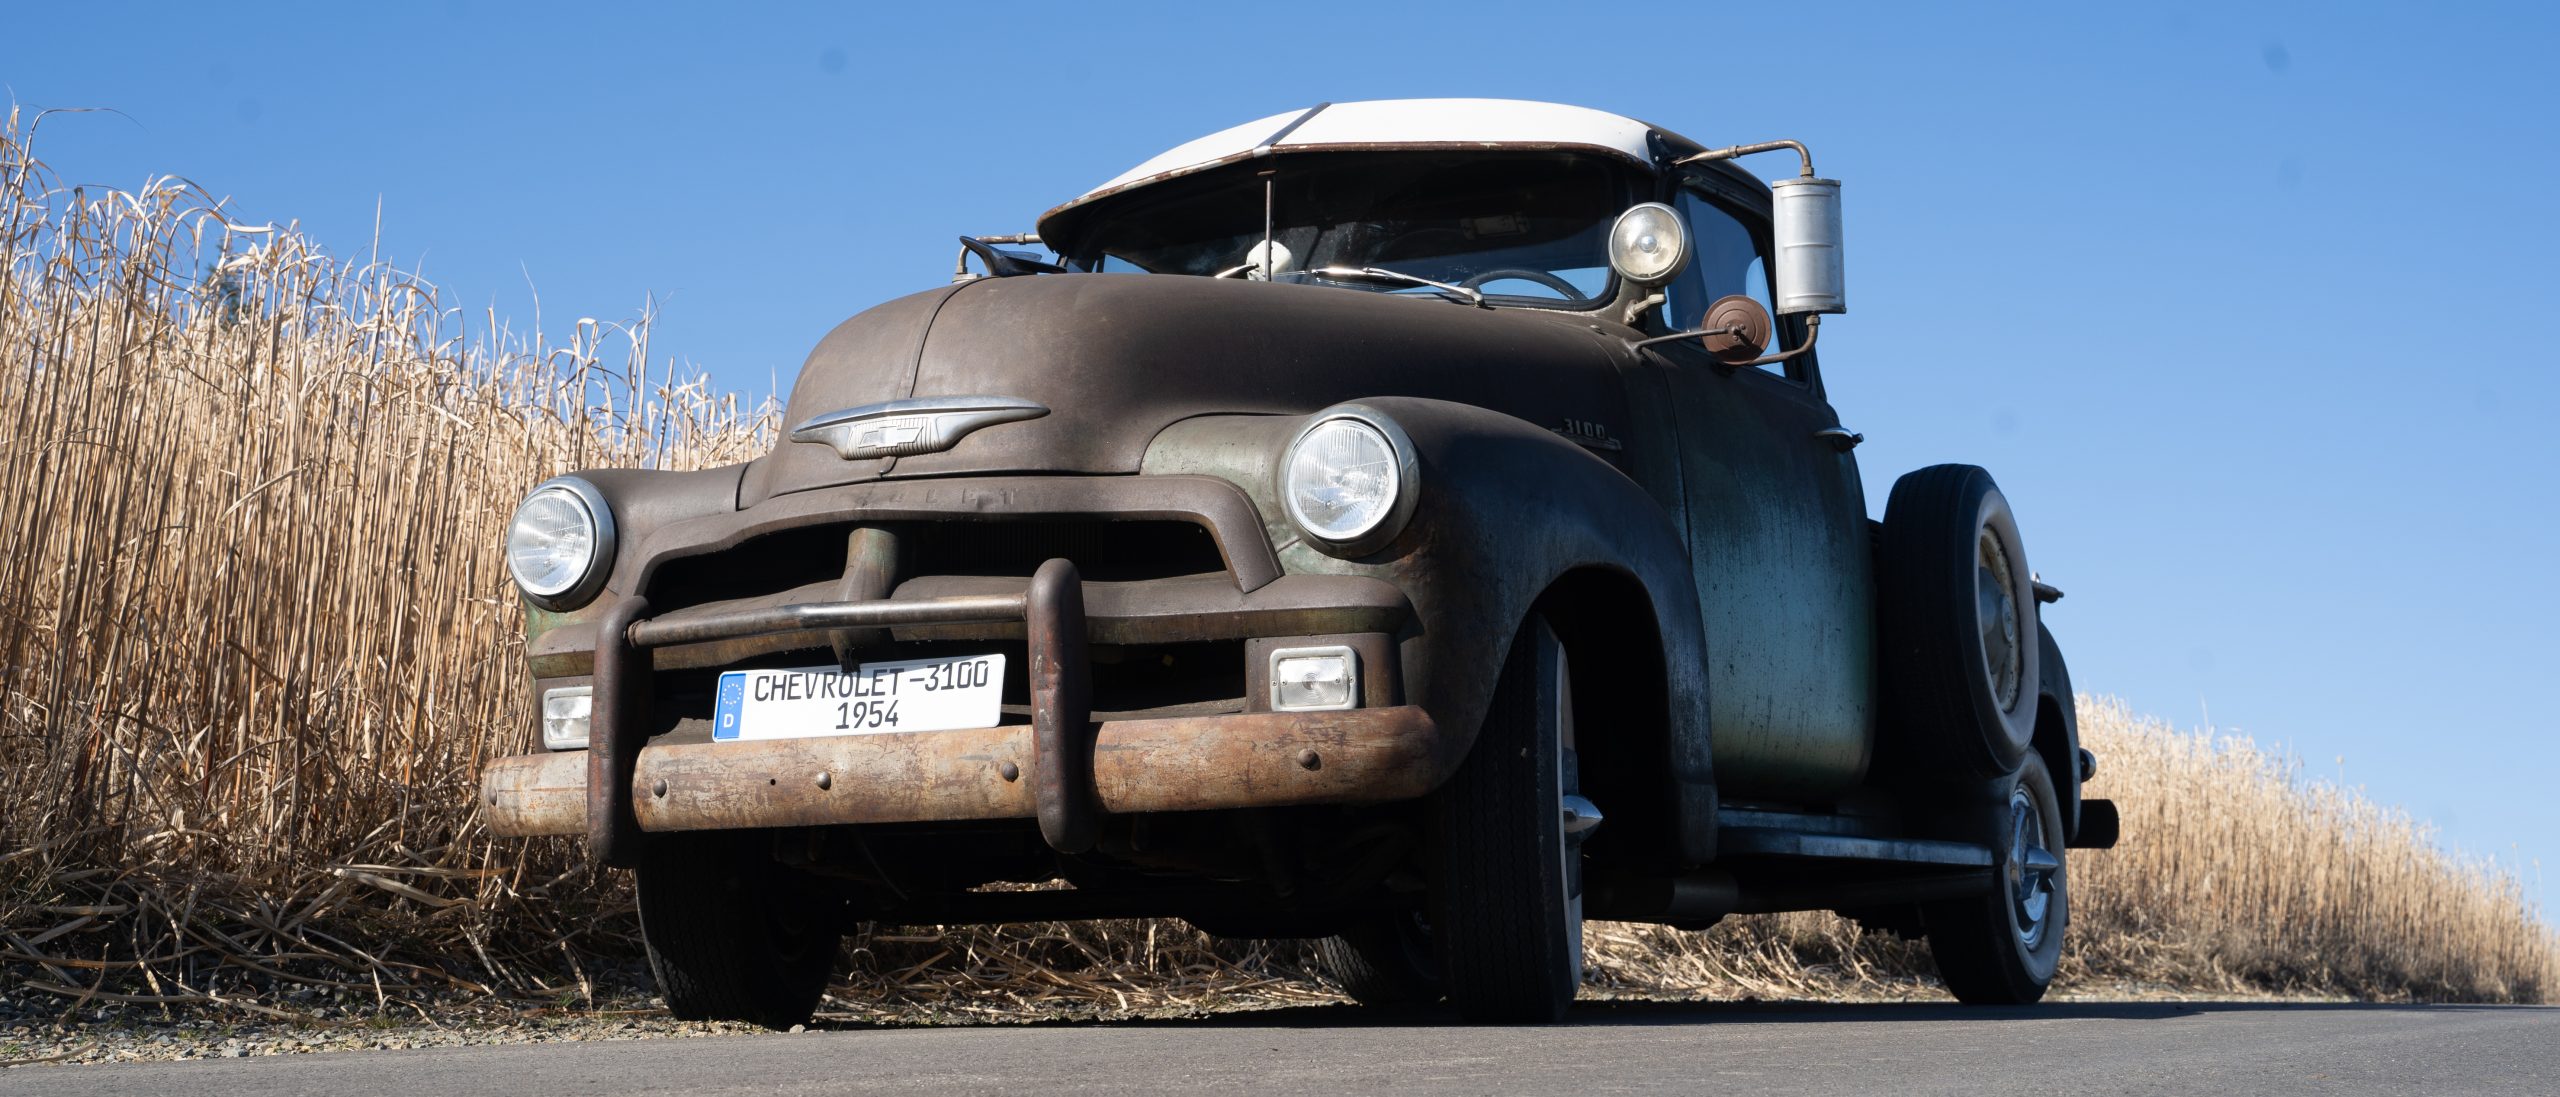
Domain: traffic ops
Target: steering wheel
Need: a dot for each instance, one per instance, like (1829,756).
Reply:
(1524,274)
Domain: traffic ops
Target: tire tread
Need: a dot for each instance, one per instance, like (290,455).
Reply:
(1375,967)
(700,920)
(1500,956)
(1924,581)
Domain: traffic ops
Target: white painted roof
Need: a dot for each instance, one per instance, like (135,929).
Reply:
(1400,122)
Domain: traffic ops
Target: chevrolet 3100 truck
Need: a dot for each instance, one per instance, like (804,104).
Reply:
(1417,526)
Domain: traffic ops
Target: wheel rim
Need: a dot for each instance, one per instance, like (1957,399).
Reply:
(1996,610)
(2032,870)
(1569,800)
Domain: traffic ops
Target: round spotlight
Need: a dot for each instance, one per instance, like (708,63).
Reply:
(1649,244)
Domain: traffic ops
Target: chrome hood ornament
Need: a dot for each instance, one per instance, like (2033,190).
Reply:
(901,428)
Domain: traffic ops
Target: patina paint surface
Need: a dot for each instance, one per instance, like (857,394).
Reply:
(1779,542)
(1117,358)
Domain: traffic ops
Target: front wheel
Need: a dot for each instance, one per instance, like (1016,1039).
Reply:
(1385,960)
(1507,852)
(2002,948)
(732,935)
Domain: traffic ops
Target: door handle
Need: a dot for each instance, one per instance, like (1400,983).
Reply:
(1841,438)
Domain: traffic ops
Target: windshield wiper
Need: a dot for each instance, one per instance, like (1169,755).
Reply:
(1456,293)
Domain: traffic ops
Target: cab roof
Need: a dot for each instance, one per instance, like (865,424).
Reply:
(1401,124)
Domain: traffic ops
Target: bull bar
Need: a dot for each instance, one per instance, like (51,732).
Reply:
(1079,769)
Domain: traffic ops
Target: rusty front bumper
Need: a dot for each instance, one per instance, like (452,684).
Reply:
(1063,769)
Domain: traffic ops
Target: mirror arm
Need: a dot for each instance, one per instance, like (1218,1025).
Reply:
(1745,150)
(1812,331)
(999,264)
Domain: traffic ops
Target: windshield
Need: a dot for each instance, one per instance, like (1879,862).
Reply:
(1529,228)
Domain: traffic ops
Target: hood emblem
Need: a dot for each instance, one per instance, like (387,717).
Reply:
(903,428)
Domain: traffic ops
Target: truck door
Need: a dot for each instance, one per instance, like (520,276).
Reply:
(1777,528)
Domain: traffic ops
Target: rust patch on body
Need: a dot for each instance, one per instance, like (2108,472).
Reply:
(1196,763)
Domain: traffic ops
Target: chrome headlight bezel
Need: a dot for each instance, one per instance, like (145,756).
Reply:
(1626,254)
(599,563)
(1390,521)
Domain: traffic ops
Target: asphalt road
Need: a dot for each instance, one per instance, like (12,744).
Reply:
(1607,1048)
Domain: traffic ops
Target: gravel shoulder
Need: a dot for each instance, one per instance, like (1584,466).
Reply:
(47,1032)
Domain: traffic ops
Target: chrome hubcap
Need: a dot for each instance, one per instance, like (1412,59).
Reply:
(2031,871)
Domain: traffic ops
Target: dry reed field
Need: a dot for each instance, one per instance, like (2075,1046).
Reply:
(256,638)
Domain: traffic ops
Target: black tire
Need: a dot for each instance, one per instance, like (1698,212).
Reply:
(1387,960)
(2002,949)
(732,935)
(1506,882)
(1957,611)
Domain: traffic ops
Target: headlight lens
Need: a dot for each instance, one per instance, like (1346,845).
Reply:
(1649,244)
(559,541)
(1344,479)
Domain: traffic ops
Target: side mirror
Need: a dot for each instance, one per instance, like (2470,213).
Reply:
(1807,227)
(1736,331)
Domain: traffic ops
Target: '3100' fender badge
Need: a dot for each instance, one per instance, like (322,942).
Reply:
(1586,433)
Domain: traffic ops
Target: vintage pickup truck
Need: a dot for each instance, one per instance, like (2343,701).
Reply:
(1418,526)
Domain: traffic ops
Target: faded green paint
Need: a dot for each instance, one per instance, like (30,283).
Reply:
(561,643)
(1779,546)
(1778,550)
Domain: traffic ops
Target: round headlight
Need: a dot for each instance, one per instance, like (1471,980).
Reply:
(1348,480)
(560,541)
(1649,244)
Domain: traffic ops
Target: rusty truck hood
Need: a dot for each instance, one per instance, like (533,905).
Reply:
(1117,358)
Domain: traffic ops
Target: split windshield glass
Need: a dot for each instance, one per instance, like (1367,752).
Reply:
(1527,229)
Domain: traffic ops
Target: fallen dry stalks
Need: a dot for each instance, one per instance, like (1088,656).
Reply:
(256,639)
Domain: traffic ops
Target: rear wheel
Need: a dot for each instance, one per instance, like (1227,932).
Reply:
(732,935)
(1507,864)
(2002,948)
(1388,960)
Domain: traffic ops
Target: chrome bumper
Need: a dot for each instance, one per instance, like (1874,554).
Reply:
(1192,763)
(1063,769)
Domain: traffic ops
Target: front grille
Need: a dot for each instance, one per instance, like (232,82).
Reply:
(1105,551)
(1164,679)
(1102,551)
(765,565)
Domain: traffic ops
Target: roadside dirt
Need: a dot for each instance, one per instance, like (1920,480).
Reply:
(44,1029)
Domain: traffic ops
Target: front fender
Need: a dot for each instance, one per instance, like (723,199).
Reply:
(2058,727)
(1505,509)
(561,643)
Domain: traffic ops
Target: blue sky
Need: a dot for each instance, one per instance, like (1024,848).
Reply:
(2249,309)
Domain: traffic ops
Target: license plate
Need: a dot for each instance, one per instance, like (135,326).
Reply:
(910,695)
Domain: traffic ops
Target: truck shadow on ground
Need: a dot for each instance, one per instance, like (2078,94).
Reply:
(1625,1014)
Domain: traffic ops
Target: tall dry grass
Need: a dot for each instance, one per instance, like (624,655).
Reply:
(256,639)
(255,630)
(2240,871)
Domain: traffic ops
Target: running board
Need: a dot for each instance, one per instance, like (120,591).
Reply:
(1817,846)
(1772,861)
(1707,894)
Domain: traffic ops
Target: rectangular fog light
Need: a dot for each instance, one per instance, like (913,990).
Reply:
(564,716)
(1311,679)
